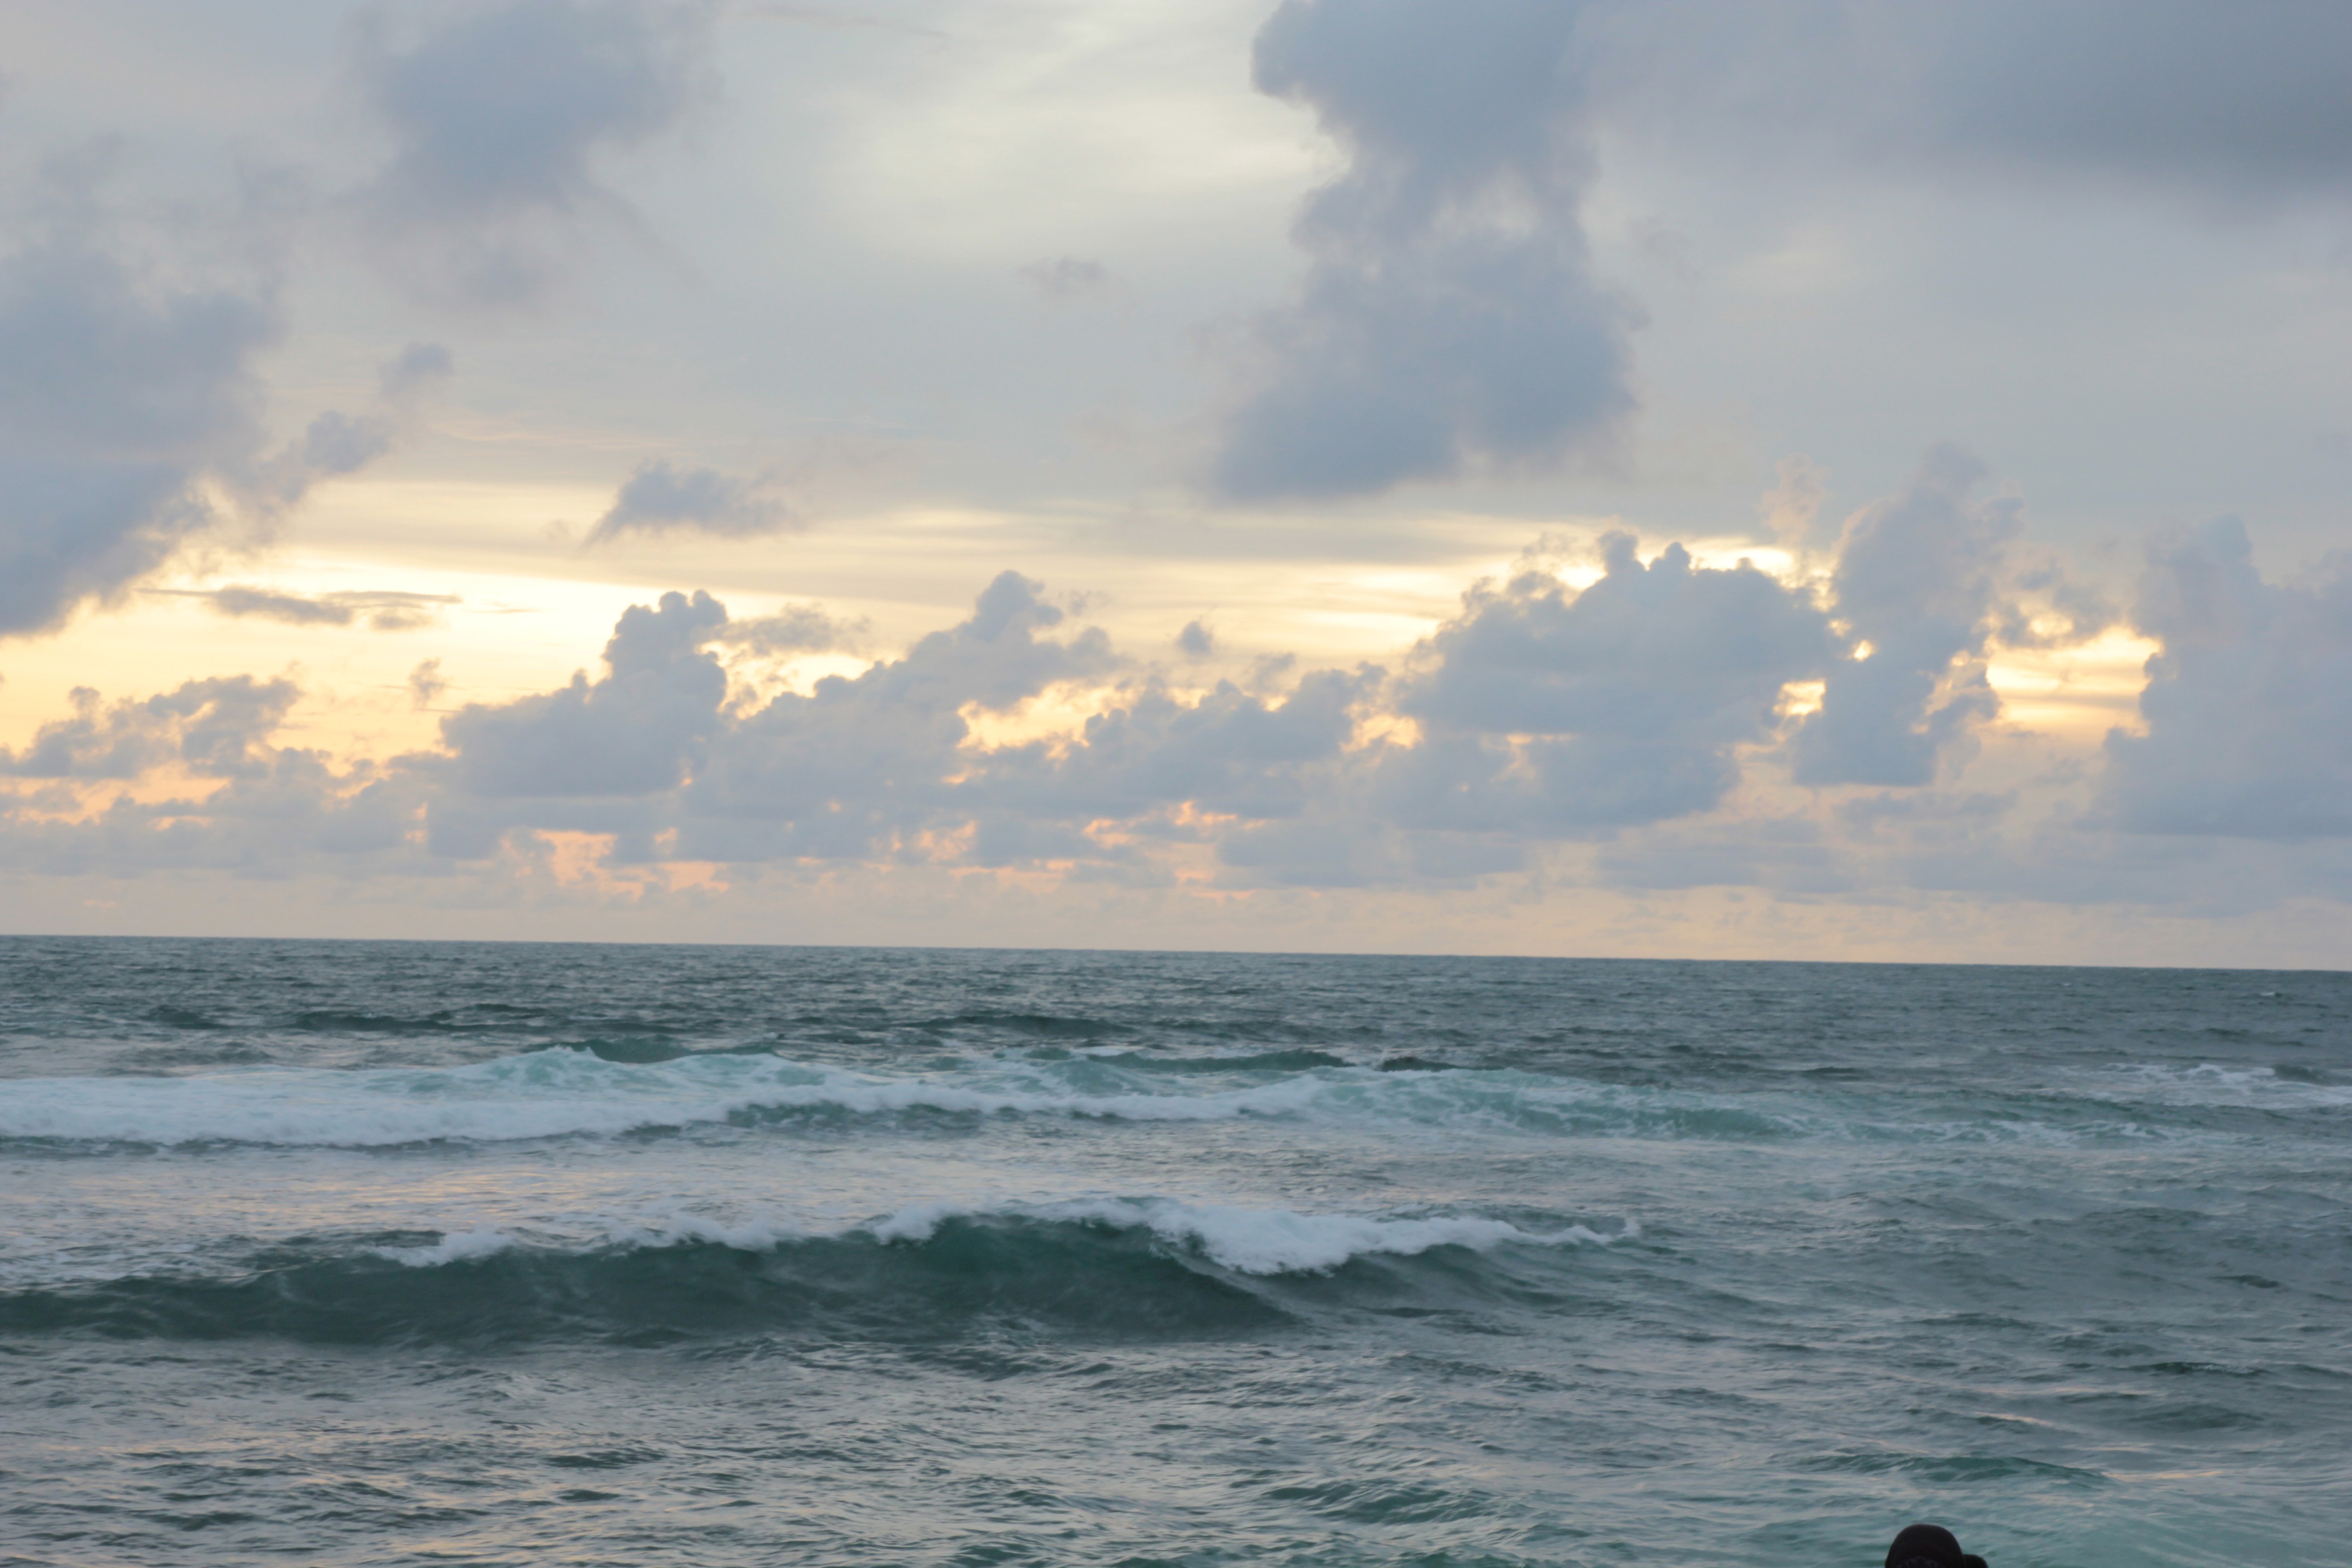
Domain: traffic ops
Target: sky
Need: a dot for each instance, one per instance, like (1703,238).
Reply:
(1707,479)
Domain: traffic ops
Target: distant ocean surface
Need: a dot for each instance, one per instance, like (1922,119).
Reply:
(390,1254)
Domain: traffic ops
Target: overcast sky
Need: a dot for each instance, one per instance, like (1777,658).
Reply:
(1809,478)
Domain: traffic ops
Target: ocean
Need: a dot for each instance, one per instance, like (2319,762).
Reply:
(468,1253)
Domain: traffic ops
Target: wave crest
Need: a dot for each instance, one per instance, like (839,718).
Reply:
(1151,1268)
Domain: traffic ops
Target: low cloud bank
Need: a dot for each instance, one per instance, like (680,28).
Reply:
(1652,719)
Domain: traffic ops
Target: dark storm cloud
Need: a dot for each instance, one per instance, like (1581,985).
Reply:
(660,499)
(1919,580)
(1448,316)
(2249,707)
(498,119)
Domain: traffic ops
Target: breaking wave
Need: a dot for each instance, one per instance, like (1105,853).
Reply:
(561,1092)
(1149,1267)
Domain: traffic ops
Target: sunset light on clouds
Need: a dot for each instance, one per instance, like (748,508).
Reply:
(1692,480)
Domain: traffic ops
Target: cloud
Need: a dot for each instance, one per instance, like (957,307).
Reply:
(1449,317)
(1551,712)
(426,683)
(335,443)
(269,812)
(384,611)
(794,629)
(119,391)
(632,732)
(131,412)
(660,499)
(860,766)
(270,606)
(2249,707)
(1920,581)
(214,729)
(1196,640)
(499,117)
(1068,280)
(2235,104)
(1227,752)
(1787,511)
(1632,734)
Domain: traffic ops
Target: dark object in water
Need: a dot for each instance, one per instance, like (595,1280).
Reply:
(1929,1546)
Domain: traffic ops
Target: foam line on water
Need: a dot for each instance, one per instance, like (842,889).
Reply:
(558,1093)
(544,1094)
(1244,1240)
(1256,1241)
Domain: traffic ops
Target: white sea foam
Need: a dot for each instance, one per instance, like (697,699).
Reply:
(453,1247)
(556,1094)
(550,1093)
(2211,1083)
(553,1093)
(1255,1241)
(1245,1240)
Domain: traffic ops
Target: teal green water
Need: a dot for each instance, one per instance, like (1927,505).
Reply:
(475,1254)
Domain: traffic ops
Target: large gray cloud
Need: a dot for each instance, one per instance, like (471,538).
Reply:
(129,399)
(851,769)
(1919,580)
(2236,104)
(2249,707)
(1449,316)
(1565,712)
(117,392)
(635,731)
(498,119)
(858,767)
(1228,753)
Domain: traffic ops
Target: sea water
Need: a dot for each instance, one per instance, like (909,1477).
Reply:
(376,1253)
